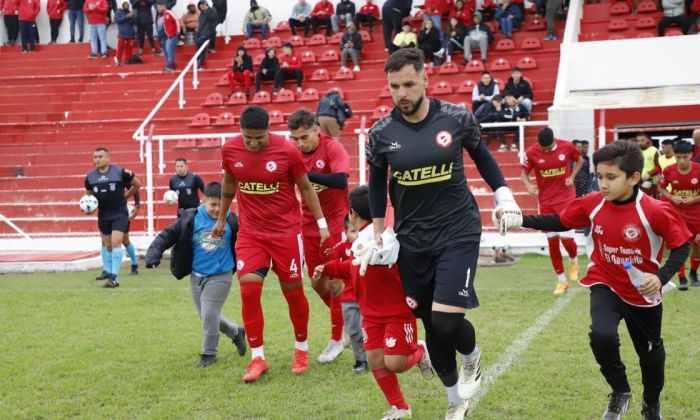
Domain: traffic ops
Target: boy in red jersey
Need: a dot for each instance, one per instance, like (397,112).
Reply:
(555,188)
(367,14)
(328,165)
(388,323)
(264,168)
(627,226)
(683,178)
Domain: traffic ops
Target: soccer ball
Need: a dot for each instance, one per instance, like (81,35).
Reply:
(131,209)
(88,204)
(170,197)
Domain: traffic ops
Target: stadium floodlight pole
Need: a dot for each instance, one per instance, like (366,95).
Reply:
(150,231)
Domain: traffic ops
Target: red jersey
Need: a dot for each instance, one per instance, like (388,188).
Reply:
(10,7)
(465,14)
(685,186)
(98,15)
(379,292)
(322,9)
(551,170)
(28,10)
(55,8)
(329,157)
(341,252)
(634,232)
(437,7)
(171,24)
(369,9)
(267,201)
(294,61)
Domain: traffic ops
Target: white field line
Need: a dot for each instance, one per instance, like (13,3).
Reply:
(518,346)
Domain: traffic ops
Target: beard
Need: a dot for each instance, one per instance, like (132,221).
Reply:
(414,108)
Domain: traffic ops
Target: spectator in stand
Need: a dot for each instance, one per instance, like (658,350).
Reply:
(454,37)
(463,12)
(512,112)
(188,22)
(394,13)
(169,33)
(368,14)
(241,71)
(429,42)
(694,18)
(321,15)
(432,11)
(351,46)
(551,8)
(144,23)
(509,15)
(221,8)
(10,13)
(96,13)
(404,39)
(520,88)
(492,112)
(290,68)
(344,13)
(479,35)
(55,10)
(206,28)
(268,68)
(331,114)
(301,16)
(125,21)
(75,14)
(483,92)
(257,17)
(674,13)
(28,11)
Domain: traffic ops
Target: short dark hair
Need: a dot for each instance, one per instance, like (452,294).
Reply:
(213,189)
(574,141)
(507,93)
(584,142)
(404,57)
(181,159)
(516,68)
(255,117)
(486,72)
(545,137)
(497,98)
(288,45)
(623,153)
(359,201)
(643,134)
(682,146)
(302,117)
(101,149)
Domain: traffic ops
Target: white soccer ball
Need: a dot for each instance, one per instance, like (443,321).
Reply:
(131,209)
(88,204)
(170,197)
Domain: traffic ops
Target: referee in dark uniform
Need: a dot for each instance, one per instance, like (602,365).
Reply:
(107,183)
(187,185)
(421,144)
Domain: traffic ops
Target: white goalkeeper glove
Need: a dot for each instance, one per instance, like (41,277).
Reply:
(511,216)
(389,252)
(363,253)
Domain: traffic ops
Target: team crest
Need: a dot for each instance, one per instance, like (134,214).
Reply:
(390,342)
(412,303)
(271,166)
(240,264)
(631,233)
(320,164)
(443,139)
(694,181)
(562,157)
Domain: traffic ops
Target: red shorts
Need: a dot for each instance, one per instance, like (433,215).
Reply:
(396,338)
(694,228)
(283,254)
(312,250)
(547,209)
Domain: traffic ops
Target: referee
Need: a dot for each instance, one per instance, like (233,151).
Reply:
(187,185)
(437,221)
(107,183)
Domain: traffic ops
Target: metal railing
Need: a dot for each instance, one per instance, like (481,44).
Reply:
(14,226)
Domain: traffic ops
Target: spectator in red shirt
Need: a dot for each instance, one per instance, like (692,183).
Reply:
(367,14)
(55,9)
(290,68)
(463,12)
(125,20)
(433,11)
(321,15)
(10,13)
(96,13)
(28,10)
(171,30)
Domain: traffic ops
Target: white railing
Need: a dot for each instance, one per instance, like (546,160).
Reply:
(14,226)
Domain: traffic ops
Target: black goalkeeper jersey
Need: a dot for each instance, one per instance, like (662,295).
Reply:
(428,189)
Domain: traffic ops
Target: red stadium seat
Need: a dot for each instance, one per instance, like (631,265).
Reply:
(380,111)
(329,55)
(619,8)
(308,57)
(531,43)
(535,25)
(474,66)
(282,26)
(225,119)
(208,143)
(257,60)
(647,6)
(262,97)
(251,43)
(320,75)
(273,41)
(505,44)
(366,37)
(200,120)
(645,22)
(213,99)
(441,88)
(344,73)
(335,38)
(296,41)
(448,68)
(285,96)
(276,117)
(186,144)
(617,25)
(386,92)
(317,39)
(527,63)
(674,32)
(429,69)
(500,65)
(616,37)
(309,95)
(645,34)
(223,80)
(238,98)
(467,86)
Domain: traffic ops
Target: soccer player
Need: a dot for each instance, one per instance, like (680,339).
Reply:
(187,186)
(388,325)
(128,246)
(680,185)
(264,168)
(437,220)
(107,183)
(628,227)
(549,159)
(327,164)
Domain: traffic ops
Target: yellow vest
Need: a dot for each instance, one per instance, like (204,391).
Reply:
(649,155)
(664,161)
(406,37)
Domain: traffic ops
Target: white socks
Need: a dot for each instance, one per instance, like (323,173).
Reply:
(257,352)
(301,345)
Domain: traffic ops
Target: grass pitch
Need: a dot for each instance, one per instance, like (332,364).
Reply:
(71,349)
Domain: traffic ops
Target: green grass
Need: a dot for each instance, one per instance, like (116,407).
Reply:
(71,349)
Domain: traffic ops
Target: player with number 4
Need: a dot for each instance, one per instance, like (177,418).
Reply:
(264,168)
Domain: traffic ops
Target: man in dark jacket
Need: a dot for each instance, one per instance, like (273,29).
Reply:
(241,71)
(125,20)
(144,23)
(393,12)
(221,11)
(206,30)
(75,14)
(344,13)
(210,263)
(331,113)
(520,88)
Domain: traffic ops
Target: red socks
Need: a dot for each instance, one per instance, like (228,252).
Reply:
(336,315)
(251,308)
(694,263)
(570,246)
(414,357)
(298,311)
(389,384)
(555,255)
(681,270)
